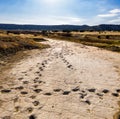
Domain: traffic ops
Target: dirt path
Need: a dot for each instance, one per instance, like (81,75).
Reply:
(66,81)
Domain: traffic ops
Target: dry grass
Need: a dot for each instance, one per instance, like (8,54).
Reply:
(13,43)
(97,33)
(104,40)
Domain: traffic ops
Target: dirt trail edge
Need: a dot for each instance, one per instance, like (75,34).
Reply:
(66,81)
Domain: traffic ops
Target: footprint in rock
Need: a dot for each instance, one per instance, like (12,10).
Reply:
(57,90)
(36,103)
(25,82)
(24,92)
(118,90)
(115,94)
(36,78)
(88,102)
(7,117)
(30,109)
(66,92)
(30,69)
(20,79)
(41,69)
(92,90)
(82,91)
(35,86)
(37,90)
(37,72)
(43,64)
(105,91)
(32,117)
(45,61)
(75,89)
(5,91)
(40,75)
(24,72)
(17,108)
(33,97)
(99,94)
(48,94)
(69,66)
(82,95)
(19,88)
(67,63)
(40,82)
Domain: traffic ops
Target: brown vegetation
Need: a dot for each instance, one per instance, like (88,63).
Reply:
(105,40)
(13,43)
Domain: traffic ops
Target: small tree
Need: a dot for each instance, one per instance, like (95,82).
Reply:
(107,37)
(99,37)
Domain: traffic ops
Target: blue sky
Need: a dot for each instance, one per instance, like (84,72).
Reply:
(52,12)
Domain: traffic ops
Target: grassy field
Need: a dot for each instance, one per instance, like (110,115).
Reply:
(105,40)
(11,43)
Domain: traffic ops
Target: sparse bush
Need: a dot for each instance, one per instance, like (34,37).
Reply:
(12,44)
(98,37)
(39,39)
(55,31)
(93,40)
(107,37)
(44,32)
(67,31)
(82,30)
(67,34)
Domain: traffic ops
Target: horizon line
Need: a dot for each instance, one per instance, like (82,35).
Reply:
(55,24)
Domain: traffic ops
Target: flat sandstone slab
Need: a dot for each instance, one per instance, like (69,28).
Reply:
(66,81)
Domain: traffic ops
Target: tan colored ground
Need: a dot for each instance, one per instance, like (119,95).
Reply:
(66,81)
(98,33)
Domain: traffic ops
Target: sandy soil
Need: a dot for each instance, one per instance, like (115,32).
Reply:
(66,81)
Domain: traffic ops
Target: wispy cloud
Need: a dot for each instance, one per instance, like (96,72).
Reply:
(115,11)
(107,15)
(111,13)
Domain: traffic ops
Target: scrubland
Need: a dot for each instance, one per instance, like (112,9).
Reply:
(12,43)
(105,40)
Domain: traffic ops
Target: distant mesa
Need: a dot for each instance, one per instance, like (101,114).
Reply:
(102,27)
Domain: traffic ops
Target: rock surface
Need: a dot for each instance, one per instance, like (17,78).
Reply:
(66,81)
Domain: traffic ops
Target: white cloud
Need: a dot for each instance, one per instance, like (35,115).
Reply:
(107,15)
(115,11)
(111,13)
